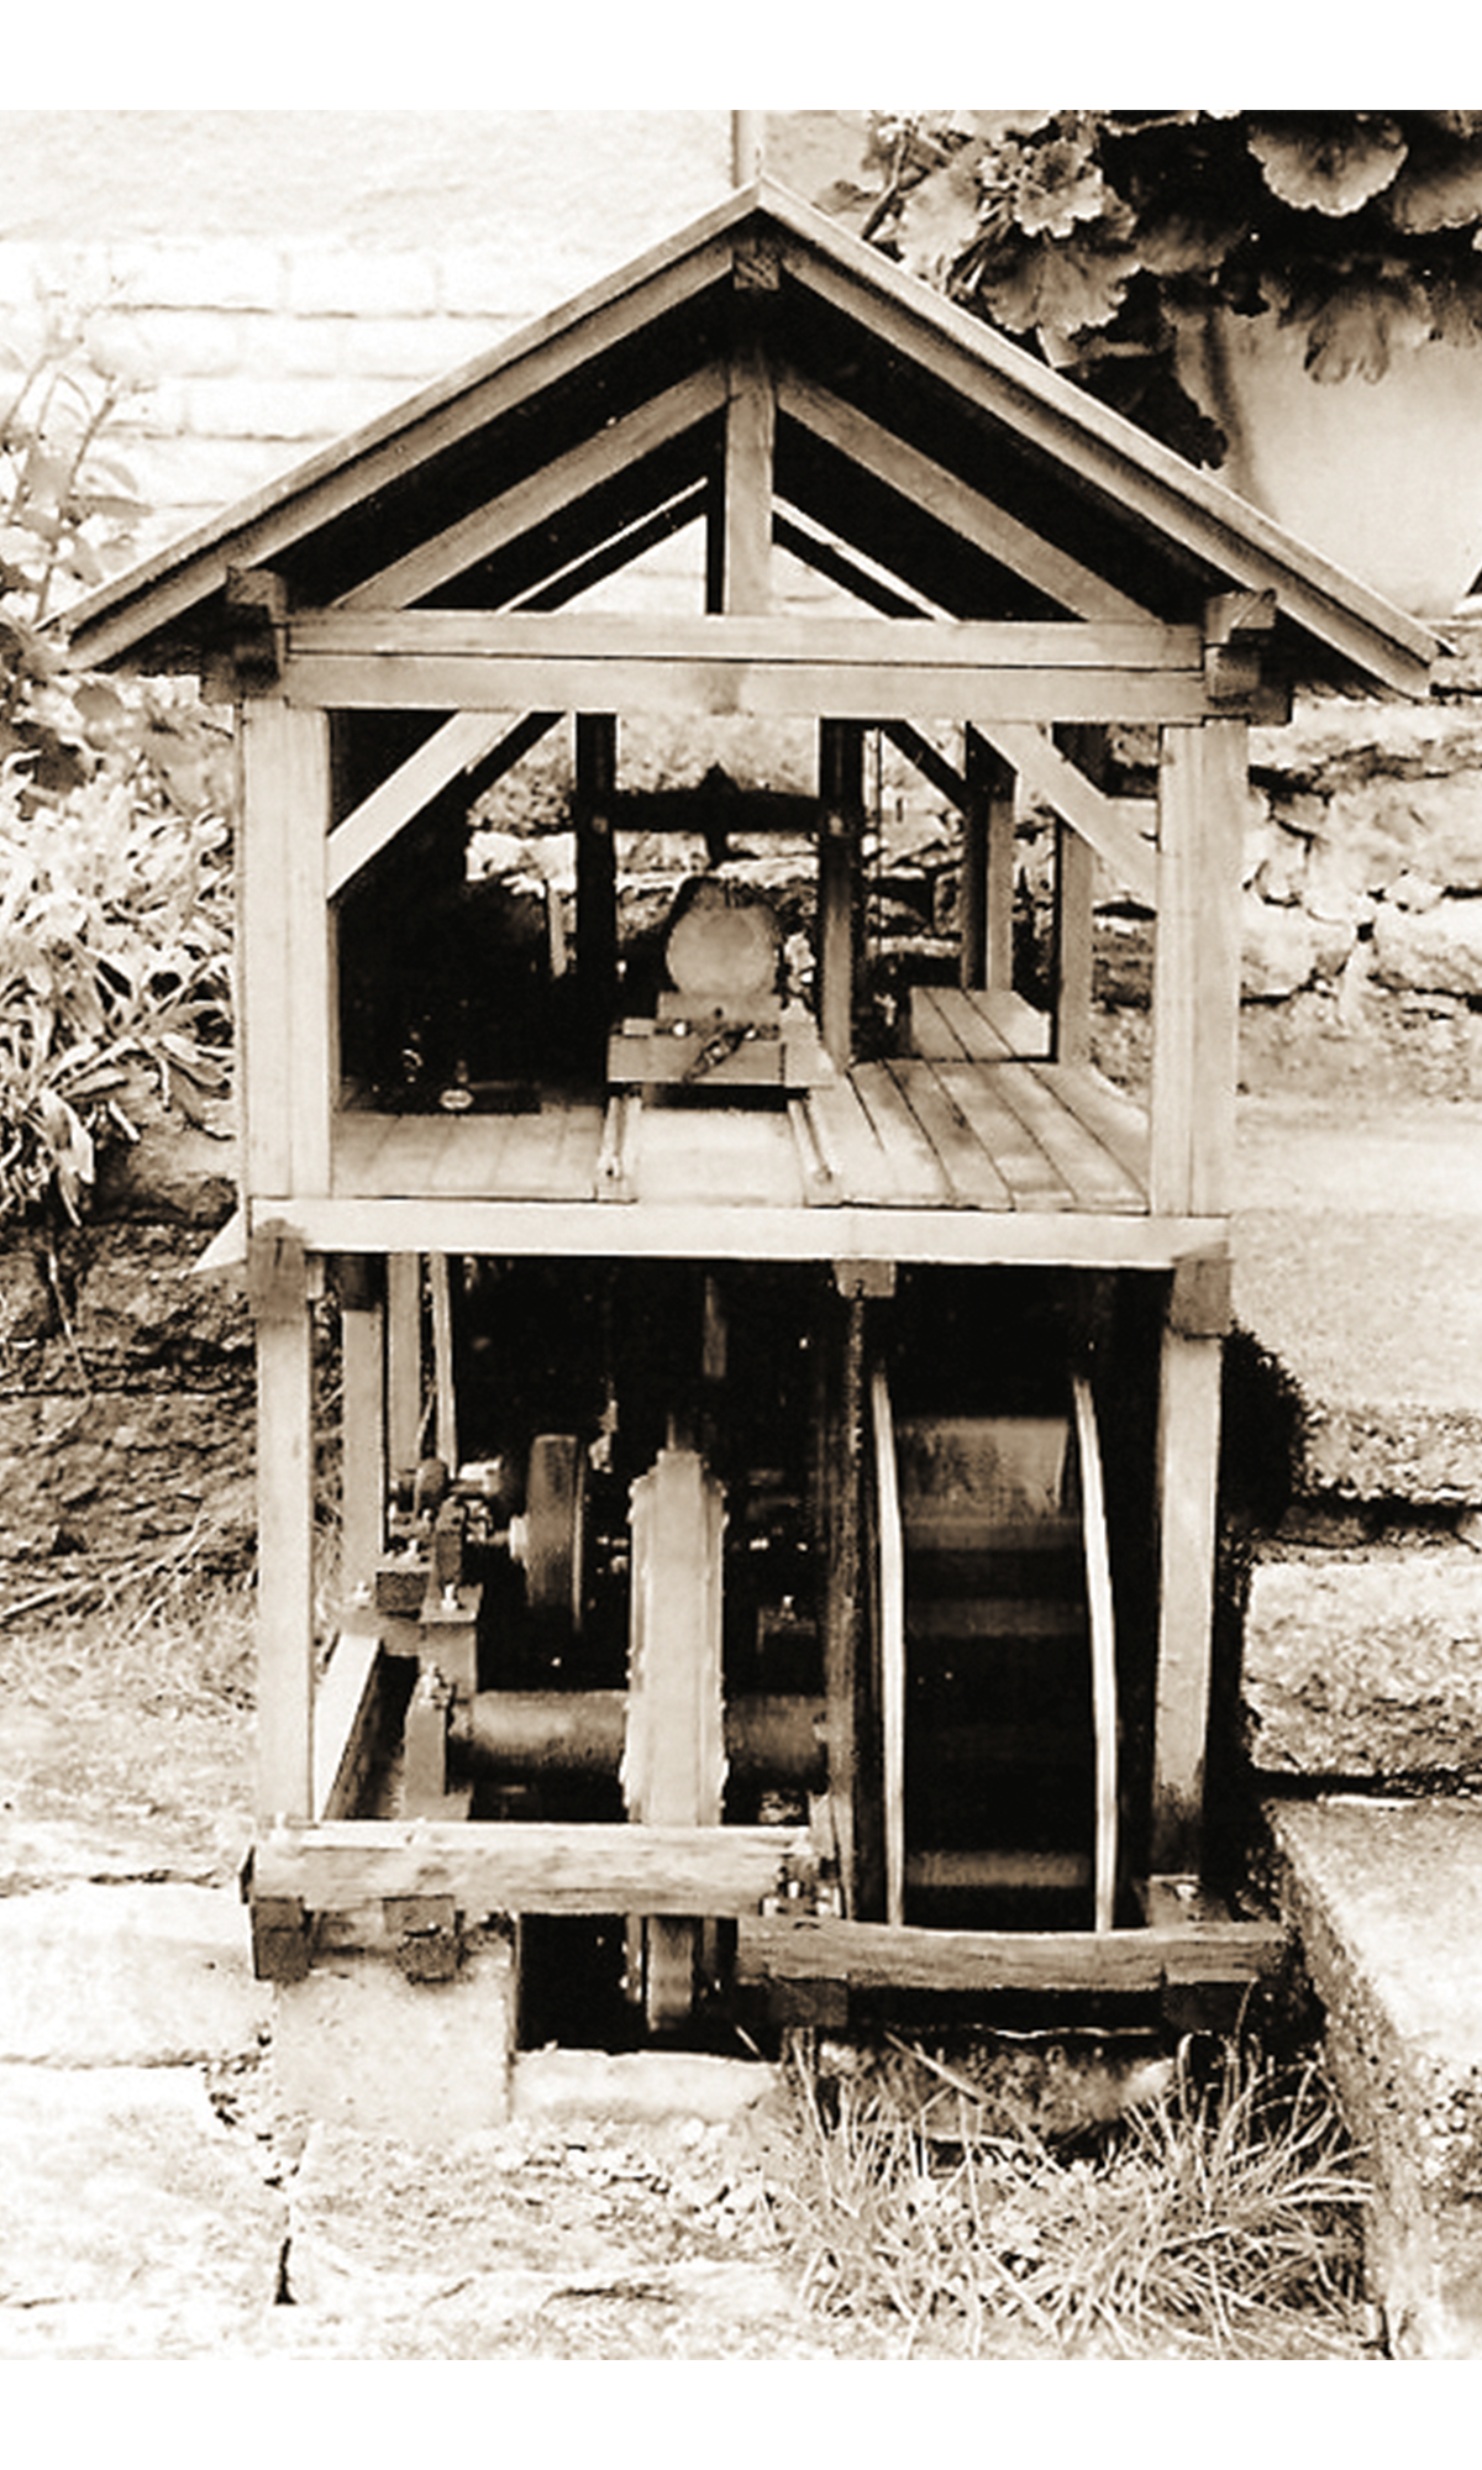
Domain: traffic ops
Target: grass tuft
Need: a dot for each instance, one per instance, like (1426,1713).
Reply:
(1220,2219)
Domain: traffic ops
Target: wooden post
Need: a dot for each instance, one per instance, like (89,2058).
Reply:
(1196,1023)
(286,993)
(1196,972)
(1187,1474)
(596,863)
(751,422)
(674,1760)
(362,1423)
(841,796)
(403,1359)
(278,1289)
(1075,885)
(986,954)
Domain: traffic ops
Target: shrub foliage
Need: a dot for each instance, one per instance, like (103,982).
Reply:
(115,841)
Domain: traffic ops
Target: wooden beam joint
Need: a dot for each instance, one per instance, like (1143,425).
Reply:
(249,657)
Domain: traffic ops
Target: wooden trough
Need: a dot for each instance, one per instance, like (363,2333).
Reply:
(911,1273)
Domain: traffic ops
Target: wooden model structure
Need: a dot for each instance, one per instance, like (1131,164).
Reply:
(801,1577)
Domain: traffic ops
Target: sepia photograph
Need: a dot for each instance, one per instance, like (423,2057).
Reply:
(740,1190)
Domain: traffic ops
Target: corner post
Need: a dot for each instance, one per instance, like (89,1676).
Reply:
(278,1289)
(1196,1024)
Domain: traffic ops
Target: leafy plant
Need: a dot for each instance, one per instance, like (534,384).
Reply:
(114,844)
(1093,236)
(69,512)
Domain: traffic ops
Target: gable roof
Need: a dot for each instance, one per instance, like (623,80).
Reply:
(907,437)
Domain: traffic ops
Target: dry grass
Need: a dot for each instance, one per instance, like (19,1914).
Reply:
(1220,2220)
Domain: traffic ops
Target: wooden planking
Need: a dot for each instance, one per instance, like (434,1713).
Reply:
(1187,1492)
(719,1158)
(544,494)
(1095,1178)
(1202,794)
(1034,1179)
(1117,1122)
(963,510)
(531,1866)
(974,1179)
(919,1173)
(930,1031)
(873,1956)
(849,1144)
(549,1154)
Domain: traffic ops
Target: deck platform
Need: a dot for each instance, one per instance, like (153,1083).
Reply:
(1034,1160)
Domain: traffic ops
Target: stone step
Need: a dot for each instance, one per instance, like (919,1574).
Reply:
(1366,1668)
(1386,1898)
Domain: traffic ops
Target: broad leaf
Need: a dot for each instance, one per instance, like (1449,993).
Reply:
(1328,168)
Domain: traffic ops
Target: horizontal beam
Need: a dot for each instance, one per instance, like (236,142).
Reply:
(495,1867)
(1050,1238)
(543,495)
(1113,826)
(873,1956)
(789,639)
(953,503)
(843,668)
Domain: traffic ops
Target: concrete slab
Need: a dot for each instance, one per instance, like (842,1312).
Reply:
(1356,1251)
(357,2046)
(120,2190)
(637,2084)
(1366,1668)
(105,1976)
(1387,1898)
(662,2230)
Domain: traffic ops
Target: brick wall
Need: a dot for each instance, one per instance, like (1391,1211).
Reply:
(273,279)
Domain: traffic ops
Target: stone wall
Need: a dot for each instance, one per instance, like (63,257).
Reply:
(126,1383)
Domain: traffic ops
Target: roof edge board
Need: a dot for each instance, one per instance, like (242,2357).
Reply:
(282,509)
(1317,584)
(1185,506)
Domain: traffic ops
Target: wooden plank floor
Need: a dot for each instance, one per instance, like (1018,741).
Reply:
(975,1117)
